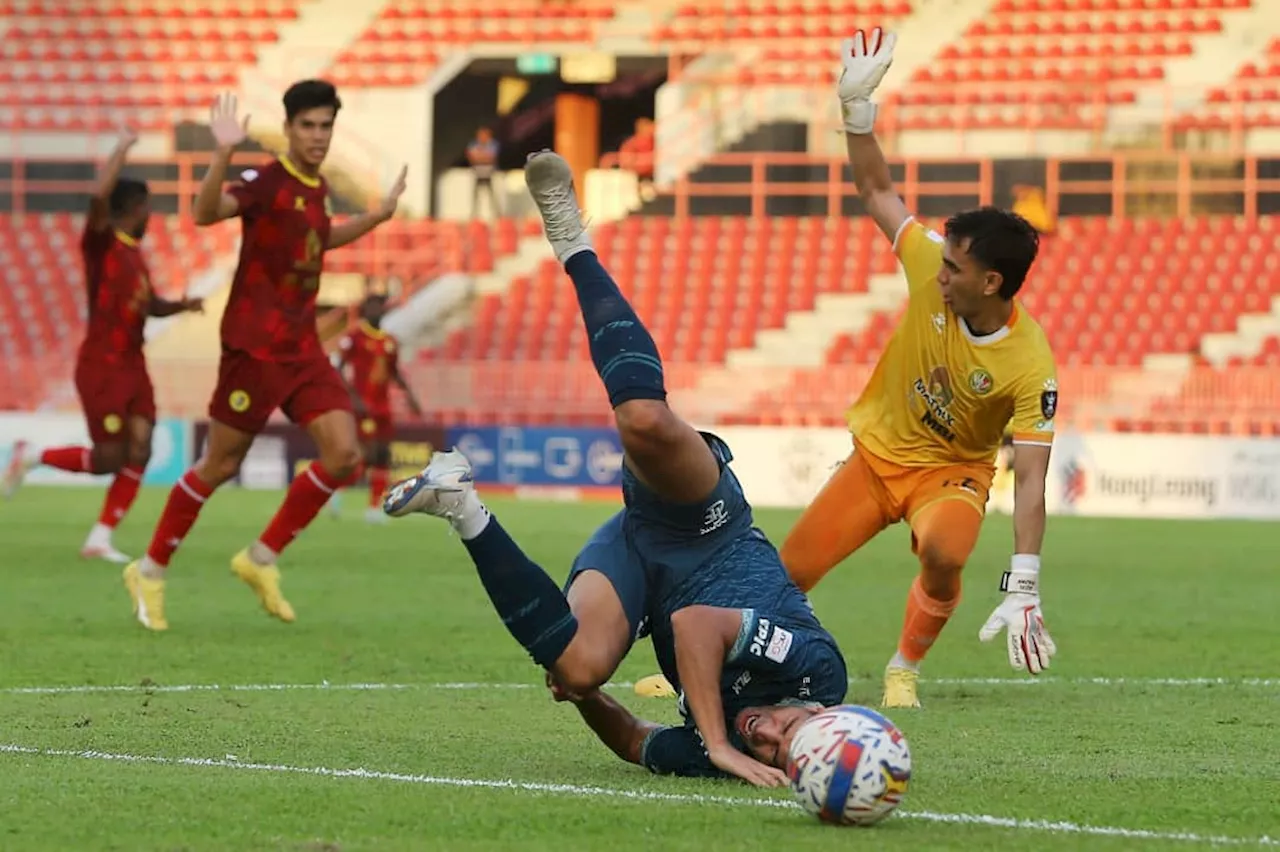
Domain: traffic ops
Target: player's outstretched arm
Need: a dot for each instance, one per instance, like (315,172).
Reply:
(1030,645)
(212,204)
(864,60)
(99,203)
(357,226)
(615,725)
(704,637)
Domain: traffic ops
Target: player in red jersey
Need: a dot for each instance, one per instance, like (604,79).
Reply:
(111,372)
(374,359)
(271,353)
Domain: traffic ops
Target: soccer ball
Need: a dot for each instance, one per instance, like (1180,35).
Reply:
(849,766)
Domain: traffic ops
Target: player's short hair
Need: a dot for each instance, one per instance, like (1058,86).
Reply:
(310,94)
(127,194)
(1000,241)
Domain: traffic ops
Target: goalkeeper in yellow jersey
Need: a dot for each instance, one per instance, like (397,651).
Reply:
(965,362)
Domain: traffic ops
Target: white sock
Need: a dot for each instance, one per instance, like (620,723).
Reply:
(262,555)
(472,519)
(150,569)
(99,536)
(901,662)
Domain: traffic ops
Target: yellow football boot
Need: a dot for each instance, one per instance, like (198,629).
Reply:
(147,596)
(265,582)
(655,686)
(900,688)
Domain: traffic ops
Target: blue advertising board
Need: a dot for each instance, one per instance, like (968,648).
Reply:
(542,456)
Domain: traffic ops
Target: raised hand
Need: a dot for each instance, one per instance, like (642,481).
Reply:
(127,138)
(388,207)
(228,130)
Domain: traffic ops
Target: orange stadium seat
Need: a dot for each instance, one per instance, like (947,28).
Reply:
(1107,292)
(1054,64)
(1251,99)
(409,37)
(147,63)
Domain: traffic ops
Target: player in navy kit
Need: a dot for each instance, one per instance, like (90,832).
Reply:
(682,562)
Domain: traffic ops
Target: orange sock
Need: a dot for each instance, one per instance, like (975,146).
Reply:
(924,620)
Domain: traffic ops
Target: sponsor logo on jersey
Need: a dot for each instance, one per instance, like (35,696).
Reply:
(936,396)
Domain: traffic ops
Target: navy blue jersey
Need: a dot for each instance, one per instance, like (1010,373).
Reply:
(662,557)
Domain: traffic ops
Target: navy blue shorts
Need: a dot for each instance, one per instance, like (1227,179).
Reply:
(653,546)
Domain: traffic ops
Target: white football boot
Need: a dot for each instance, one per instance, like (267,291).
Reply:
(550,182)
(441,489)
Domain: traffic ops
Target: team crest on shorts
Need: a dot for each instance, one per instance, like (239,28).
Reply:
(239,401)
(368,425)
(112,423)
(980,382)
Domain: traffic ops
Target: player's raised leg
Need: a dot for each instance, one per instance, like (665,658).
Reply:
(663,451)
(850,510)
(580,638)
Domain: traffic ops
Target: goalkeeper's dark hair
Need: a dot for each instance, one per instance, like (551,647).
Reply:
(999,241)
(127,194)
(310,94)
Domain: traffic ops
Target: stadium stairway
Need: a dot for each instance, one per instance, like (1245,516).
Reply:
(306,47)
(1217,58)
(688,112)
(1253,335)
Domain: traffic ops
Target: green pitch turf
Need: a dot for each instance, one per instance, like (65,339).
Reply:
(1143,752)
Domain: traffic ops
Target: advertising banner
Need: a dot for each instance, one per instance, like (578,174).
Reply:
(542,456)
(283,450)
(171,447)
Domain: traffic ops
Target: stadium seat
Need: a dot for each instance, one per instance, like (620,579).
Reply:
(149,64)
(407,39)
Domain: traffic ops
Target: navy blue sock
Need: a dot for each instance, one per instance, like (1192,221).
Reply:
(622,349)
(529,602)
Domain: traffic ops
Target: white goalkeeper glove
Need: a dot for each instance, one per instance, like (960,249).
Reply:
(865,59)
(1030,645)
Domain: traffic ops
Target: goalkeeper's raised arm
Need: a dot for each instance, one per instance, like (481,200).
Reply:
(865,58)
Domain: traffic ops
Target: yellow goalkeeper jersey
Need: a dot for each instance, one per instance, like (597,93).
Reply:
(941,395)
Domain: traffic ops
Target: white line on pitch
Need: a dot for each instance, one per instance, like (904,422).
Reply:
(1265,683)
(986,820)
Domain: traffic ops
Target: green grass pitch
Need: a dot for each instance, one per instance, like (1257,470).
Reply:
(1121,738)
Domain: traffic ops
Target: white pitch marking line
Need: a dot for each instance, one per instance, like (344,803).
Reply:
(1265,683)
(984,820)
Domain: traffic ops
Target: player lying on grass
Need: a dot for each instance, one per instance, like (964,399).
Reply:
(374,359)
(965,362)
(111,371)
(682,562)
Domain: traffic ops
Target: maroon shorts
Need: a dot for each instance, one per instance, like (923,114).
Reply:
(250,389)
(111,394)
(376,426)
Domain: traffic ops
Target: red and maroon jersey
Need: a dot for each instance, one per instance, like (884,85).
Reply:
(119,295)
(271,313)
(373,355)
